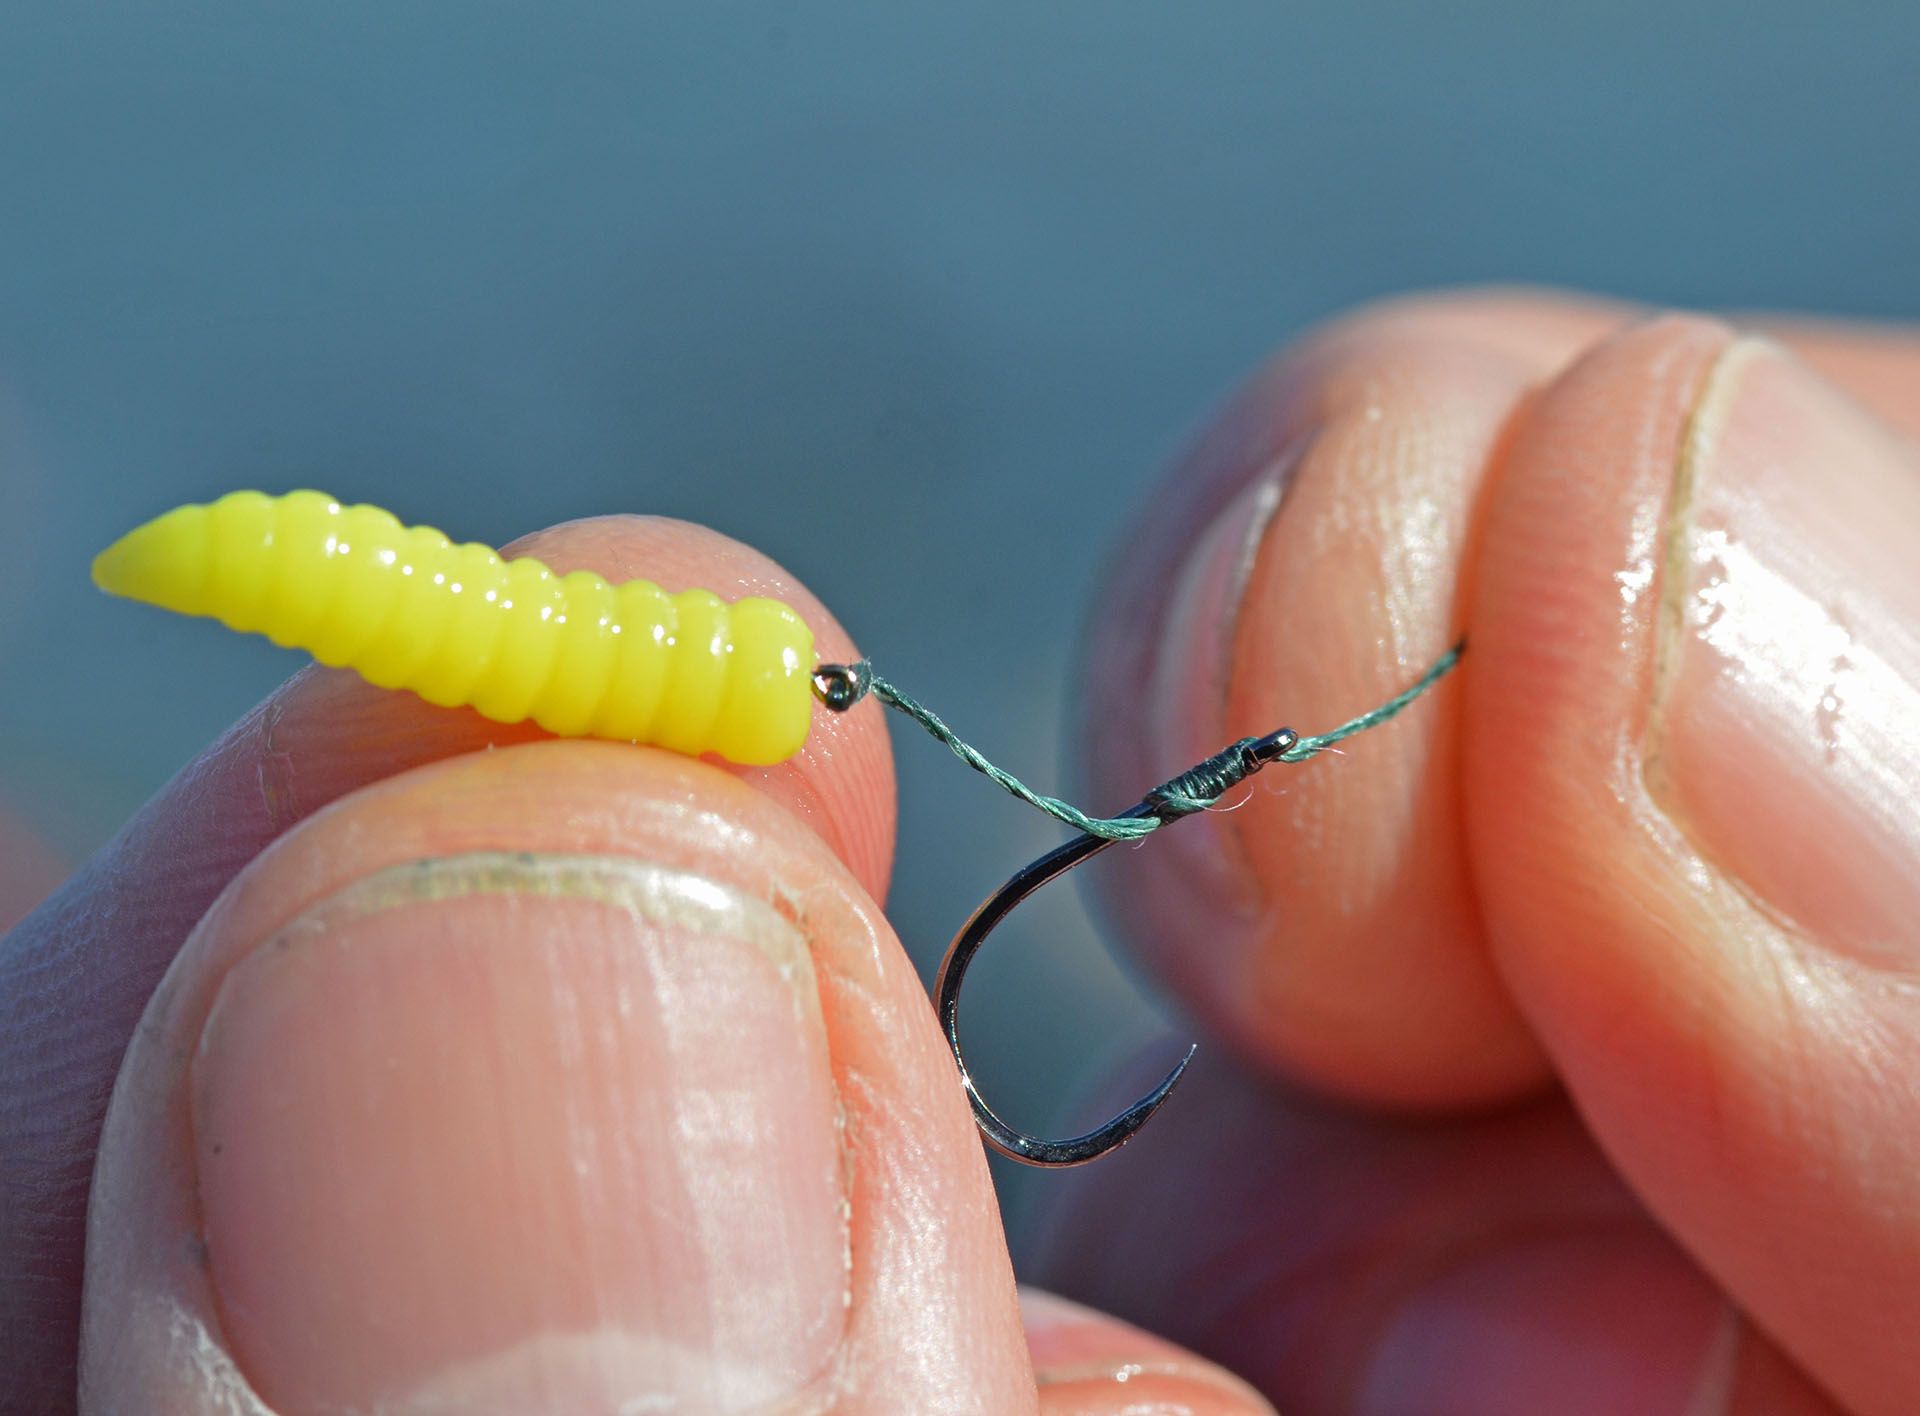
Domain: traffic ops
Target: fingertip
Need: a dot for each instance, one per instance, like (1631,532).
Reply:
(1326,925)
(1538,327)
(841,782)
(328,731)
(1877,364)
(1565,601)
(1693,876)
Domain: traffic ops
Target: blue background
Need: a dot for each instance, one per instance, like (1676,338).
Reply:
(917,297)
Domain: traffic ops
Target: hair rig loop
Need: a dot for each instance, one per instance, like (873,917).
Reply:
(841,686)
(406,608)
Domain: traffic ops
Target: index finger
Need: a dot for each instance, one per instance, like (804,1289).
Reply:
(1310,557)
(1300,567)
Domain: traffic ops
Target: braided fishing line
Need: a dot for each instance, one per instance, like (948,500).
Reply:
(841,686)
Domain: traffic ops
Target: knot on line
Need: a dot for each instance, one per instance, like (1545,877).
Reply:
(1203,784)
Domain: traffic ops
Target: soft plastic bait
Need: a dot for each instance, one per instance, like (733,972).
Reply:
(405,607)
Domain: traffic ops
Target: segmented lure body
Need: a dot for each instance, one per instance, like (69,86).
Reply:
(407,608)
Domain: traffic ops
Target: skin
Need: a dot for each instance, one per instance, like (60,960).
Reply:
(1561,1033)
(29,868)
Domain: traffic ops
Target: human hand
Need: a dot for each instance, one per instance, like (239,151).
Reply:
(1657,846)
(416,1150)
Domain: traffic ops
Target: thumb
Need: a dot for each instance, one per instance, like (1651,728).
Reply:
(1692,738)
(566,1078)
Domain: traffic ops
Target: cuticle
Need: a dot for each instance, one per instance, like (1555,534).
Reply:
(1272,485)
(1275,482)
(643,888)
(1697,437)
(1699,434)
(1658,797)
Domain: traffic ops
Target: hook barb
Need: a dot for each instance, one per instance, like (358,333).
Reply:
(1191,791)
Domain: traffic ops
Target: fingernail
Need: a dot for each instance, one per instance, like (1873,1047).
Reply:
(1187,696)
(524,1134)
(1174,714)
(1588,1322)
(1190,679)
(1785,735)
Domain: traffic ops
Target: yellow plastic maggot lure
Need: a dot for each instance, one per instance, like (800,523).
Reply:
(405,607)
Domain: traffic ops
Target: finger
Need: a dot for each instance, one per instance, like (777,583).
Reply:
(1351,1262)
(1310,867)
(1306,562)
(75,976)
(1088,1364)
(1690,744)
(572,1078)
(1877,365)
(1299,568)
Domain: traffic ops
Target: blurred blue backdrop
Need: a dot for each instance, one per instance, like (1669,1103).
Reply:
(917,297)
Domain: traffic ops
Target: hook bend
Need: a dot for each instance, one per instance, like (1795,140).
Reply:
(1191,791)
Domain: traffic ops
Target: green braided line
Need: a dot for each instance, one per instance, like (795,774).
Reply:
(1309,746)
(1132,828)
(1112,828)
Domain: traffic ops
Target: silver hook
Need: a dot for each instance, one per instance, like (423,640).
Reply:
(1185,794)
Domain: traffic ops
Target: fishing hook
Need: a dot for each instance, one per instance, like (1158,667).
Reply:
(840,686)
(1191,791)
